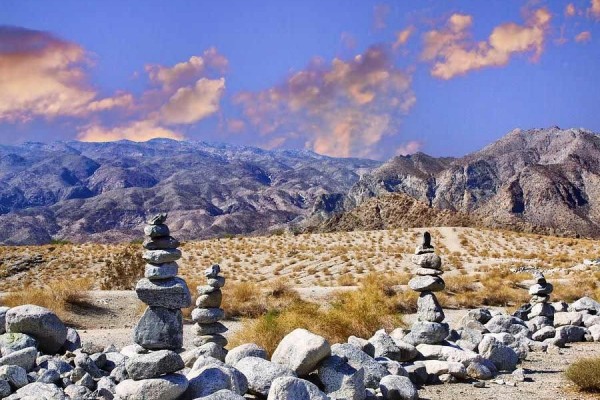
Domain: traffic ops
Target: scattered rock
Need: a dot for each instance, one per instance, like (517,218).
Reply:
(301,351)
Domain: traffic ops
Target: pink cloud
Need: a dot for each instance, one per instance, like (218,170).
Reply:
(585,36)
(570,10)
(453,53)
(137,131)
(594,9)
(409,148)
(402,37)
(191,104)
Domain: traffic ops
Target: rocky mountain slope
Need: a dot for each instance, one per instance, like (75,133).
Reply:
(542,180)
(104,191)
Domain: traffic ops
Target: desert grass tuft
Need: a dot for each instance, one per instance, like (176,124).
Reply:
(585,373)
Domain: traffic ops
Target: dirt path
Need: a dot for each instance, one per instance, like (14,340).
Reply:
(449,238)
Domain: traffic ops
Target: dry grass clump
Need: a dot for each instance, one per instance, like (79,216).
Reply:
(57,296)
(585,373)
(122,272)
(360,313)
(579,285)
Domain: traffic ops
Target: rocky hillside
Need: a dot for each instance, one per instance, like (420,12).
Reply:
(104,191)
(543,180)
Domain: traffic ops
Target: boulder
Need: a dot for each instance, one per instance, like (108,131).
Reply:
(428,308)
(170,293)
(502,356)
(209,379)
(568,318)
(15,375)
(160,328)
(5,389)
(41,391)
(161,256)
(385,346)
(438,368)
(261,373)
(427,332)
(3,311)
(245,350)
(287,387)
(207,315)
(206,350)
(163,271)
(340,380)
(223,395)
(11,342)
(428,261)
(210,300)
(398,388)
(448,353)
(73,341)
(166,387)
(590,320)
(154,364)
(156,231)
(595,332)
(586,304)
(544,333)
(39,322)
(469,339)
(161,243)
(301,351)
(427,283)
(24,358)
(477,370)
(362,344)
(209,329)
(504,323)
(541,310)
(572,333)
(357,359)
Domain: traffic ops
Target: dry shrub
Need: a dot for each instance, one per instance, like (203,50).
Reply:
(123,272)
(578,286)
(59,296)
(243,299)
(585,373)
(360,313)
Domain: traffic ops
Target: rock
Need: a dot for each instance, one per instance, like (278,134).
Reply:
(541,310)
(24,358)
(84,362)
(3,311)
(544,333)
(301,351)
(99,359)
(11,342)
(586,304)
(427,283)
(505,323)
(595,332)
(385,346)
(518,375)
(567,318)
(362,344)
(161,243)
(393,367)
(357,359)
(163,271)
(537,323)
(87,381)
(398,388)
(572,333)
(205,289)
(209,329)
(155,231)
(15,375)
(543,298)
(209,379)
(161,256)
(206,350)
(590,320)
(417,372)
(216,282)
(39,322)
(4,389)
(503,357)
(213,271)
(160,328)
(469,339)
(166,387)
(481,315)
(168,293)
(154,364)
(41,391)
(56,364)
(77,392)
(261,373)
(49,376)
(427,261)
(73,341)
(438,368)
(220,340)
(90,348)
(480,371)
(286,387)
(560,306)
(340,380)
(428,308)
(211,300)
(207,315)
(223,395)
(540,289)
(427,332)
(428,271)
(245,350)
(447,353)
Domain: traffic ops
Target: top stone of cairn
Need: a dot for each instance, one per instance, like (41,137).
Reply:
(425,246)
(158,219)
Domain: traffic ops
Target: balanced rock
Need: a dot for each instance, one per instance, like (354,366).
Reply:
(160,328)
(428,308)
(168,293)
(429,283)
(153,364)
(163,271)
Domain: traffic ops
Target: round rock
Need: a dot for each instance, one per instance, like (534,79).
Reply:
(161,256)
(156,230)
(427,283)
(163,271)
(207,315)
(301,351)
(167,387)
(160,328)
(168,293)
(153,364)
(39,322)
(394,387)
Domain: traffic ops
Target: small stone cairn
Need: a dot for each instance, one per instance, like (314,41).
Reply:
(429,328)
(539,311)
(161,326)
(208,311)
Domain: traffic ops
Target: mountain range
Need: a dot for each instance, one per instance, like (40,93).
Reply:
(540,180)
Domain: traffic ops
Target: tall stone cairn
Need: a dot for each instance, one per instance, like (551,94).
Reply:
(161,326)
(541,311)
(427,280)
(208,311)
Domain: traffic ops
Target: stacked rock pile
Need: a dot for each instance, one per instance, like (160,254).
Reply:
(161,326)
(429,328)
(208,311)
(541,313)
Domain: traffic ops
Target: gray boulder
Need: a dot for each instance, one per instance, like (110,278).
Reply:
(245,350)
(209,379)
(427,332)
(5,389)
(572,333)
(428,308)
(469,339)
(166,387)
(207,350)
(163,271)
(10,342)
(41,391)
(154,364)
(448,353)
(161,256)
(207,315)
(340,380)
(358,359)
(505,323)
(39,322)
(568,318)
(301,351)
(595,332)
(261,373)
(586,304)
(544,333)
(169,293)
(395,387)
(73,341)
(160,328)
(502,356)
(287,387)
(3,311)
(24,358)
(15,375)
(478,370)
(385,346)
(362,344)
(427,283)
(222,395)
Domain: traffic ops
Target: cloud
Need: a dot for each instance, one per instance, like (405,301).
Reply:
(409,148)
(120,100)
(585,36)
(343,108)
(191,104)
(570,10)
(453,52)
(187,72)
(402,37)
(380,14)
(236,125)
(137,131)
(594,9)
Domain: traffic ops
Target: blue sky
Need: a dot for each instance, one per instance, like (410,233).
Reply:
(359,78)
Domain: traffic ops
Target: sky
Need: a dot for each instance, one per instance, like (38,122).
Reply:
(345,78)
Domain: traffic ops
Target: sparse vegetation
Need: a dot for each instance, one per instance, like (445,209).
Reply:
(123,271)
(585,373)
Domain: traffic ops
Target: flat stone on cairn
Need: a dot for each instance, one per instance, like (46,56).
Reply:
(539,311)
(208,311)
(429,328)
(161,326)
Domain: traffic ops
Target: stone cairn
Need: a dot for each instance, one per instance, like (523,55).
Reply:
(539,310)
(429,328)
(208,311)
(161,326)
